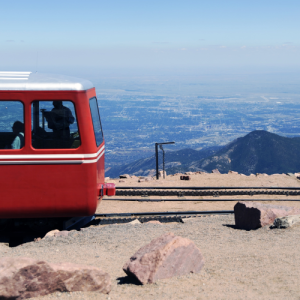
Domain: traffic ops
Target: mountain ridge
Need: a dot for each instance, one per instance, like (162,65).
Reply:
(259,151)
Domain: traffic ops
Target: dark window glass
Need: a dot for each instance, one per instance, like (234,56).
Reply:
(96,121)
(54,125)
(11,125)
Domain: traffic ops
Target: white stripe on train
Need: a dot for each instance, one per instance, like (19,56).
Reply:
(57,156)
(41,162)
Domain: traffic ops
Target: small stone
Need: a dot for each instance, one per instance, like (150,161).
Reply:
(216,171)
(141,180)
(233,172)
(121,180)
(162,174)
(51,233)
(125,176)
(152,222)
(134,222)
(183,177)
(287,222)
(186,220)
(165,257)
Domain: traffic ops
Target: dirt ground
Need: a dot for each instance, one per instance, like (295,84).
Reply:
(239,264)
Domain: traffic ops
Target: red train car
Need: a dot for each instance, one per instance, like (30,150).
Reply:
(51,147)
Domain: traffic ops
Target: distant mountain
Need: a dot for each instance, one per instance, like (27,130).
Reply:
(257,152)
(175,161)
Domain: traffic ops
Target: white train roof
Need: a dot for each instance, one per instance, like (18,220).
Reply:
(28,81)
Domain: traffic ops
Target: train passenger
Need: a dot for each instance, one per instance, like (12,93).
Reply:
(18,129)
(59,120)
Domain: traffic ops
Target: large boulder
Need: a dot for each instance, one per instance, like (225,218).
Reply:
(164,257)
(252,215)
(22,277)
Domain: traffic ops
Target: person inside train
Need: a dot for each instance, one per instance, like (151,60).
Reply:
(18,130)
(59,120)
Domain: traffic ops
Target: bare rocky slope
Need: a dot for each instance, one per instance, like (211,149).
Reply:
(257,152)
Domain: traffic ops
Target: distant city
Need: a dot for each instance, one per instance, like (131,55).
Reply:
(134,119)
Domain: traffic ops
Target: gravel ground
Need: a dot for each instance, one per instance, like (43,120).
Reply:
(260,264)
(239,264)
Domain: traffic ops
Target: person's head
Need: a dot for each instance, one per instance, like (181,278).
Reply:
(18,127)
(57,104)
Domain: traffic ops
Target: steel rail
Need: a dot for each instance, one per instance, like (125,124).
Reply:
(187,200)
(206,188)
(165,213)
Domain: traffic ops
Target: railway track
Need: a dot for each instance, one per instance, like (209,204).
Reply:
(194,200)
(206,191)
(128,193)
(163,217)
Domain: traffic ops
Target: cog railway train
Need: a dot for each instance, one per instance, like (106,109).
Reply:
(51,147)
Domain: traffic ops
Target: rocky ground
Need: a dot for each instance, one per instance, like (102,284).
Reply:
(239,264)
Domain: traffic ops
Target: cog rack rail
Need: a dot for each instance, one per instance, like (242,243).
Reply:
(206,191)
(163,217)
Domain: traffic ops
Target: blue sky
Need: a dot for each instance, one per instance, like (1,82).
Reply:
(150,35)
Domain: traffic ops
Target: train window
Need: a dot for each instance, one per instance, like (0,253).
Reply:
(54,125)
(11,125)
(96,121)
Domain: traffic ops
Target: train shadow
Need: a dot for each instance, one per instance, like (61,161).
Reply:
(15,240)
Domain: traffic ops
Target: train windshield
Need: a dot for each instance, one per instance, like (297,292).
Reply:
(11,125)
(54,125)
(96,121)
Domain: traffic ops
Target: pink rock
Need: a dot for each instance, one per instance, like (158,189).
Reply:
(164,257)
(252,215)
(22,277)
